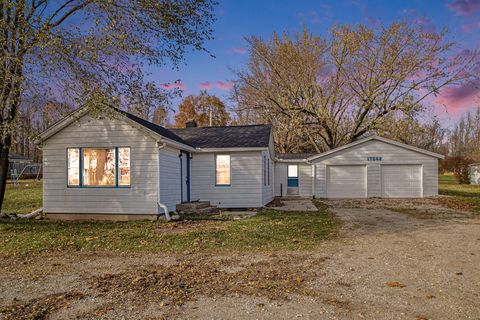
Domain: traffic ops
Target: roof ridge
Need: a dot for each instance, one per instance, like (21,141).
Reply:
(229,126)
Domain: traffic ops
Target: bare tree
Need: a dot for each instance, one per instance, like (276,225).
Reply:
(337,89)
(78,48)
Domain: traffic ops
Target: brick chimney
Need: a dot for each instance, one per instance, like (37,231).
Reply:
(191,123)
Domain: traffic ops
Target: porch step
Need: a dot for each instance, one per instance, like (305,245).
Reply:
(195,207)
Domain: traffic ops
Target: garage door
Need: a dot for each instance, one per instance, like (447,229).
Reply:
(401,181)
(346,181)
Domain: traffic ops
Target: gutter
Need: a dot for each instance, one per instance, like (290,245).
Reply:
(161,144)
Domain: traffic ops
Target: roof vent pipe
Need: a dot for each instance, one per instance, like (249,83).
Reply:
(191,124)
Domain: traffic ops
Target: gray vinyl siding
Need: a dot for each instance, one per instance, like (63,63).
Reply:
(374,180)
(267,188)
(170,177)
(305,178)
(390,154)
(246,185)
(140,198)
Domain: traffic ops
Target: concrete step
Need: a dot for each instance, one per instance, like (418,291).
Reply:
(191,206)
(196,207)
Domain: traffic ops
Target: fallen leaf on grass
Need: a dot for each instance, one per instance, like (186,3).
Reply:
(137,278)
(395,284)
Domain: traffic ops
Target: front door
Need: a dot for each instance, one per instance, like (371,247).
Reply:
(292,179)
(185,176)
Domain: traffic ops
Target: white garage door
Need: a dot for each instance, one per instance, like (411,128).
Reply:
(346,181)
(401,181)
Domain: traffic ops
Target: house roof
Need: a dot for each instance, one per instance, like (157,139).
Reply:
(392,142)
(293,156)
(154,127)
(249,136)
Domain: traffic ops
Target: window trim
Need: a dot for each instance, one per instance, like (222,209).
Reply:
(80,163)
(229,167)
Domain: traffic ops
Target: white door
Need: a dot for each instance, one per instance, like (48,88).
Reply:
(402,181)
(346,181)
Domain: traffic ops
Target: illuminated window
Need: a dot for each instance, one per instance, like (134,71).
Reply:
(123,166)
(222,170)
(98,167)
(73,166)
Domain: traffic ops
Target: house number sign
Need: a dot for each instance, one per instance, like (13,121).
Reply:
(376,158)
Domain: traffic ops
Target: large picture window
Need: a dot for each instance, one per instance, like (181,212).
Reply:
(98,167)
(222,170)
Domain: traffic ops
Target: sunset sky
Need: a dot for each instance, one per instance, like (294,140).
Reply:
(237,19)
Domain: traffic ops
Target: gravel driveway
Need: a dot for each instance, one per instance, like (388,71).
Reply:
(383,265)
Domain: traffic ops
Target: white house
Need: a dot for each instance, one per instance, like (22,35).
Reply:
(128,168)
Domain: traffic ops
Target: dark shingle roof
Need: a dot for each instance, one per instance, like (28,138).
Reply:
(250,136)
(156,128)
(293,156)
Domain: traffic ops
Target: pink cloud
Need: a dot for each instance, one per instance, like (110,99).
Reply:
(239,50)
(460,98)
(227,85)
(470,27)
(175,85)
(205,85)
(464,7)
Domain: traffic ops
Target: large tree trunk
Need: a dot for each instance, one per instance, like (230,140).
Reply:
(4,150)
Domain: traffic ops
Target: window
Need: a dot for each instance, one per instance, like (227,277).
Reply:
(123,166)
(264,170)
(292,175)
(73,166)
(222,169)
(98,167)
(268,171)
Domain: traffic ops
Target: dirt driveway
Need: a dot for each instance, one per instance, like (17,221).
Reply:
(384,264)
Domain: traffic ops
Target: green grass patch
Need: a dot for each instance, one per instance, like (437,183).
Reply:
(24,198)
(266,232)
(465,196)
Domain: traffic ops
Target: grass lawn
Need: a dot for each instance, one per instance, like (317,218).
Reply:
(23,198)
(466,196)
(267,231)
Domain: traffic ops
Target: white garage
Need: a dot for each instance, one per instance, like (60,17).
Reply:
(375,167)
(347,181)
(401,181)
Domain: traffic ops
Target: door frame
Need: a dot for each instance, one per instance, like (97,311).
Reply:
(186,182)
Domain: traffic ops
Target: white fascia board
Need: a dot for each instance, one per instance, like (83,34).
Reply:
(392,142)
(291,160)
(229,149)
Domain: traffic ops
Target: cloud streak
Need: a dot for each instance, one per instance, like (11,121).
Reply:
(175,85)
(459,98)
(464,7)
(205,85)
(239,50)
(224,85)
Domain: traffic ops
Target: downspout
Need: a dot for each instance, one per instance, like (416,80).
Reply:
(161,145)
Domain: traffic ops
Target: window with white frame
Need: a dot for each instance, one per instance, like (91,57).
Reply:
(268,171)
(264,170)
(222,170)
(98,167)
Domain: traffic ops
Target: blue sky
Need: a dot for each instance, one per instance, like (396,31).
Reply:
(238,19)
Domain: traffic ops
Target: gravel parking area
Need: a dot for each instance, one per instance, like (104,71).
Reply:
(384,264)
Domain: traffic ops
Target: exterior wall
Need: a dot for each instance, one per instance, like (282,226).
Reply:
(475,174)
(390,154)
(140,198)
(305,178)
(267,186)
(246,189)
(170,177)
